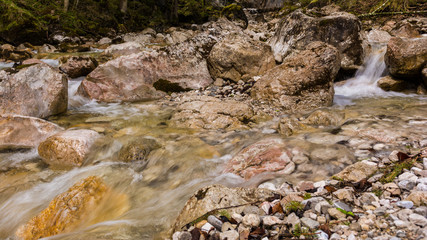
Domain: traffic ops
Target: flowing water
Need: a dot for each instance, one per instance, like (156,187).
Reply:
(190,159)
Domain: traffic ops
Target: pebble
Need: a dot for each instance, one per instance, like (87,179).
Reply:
(421,210)
(207,227)
(230,235)
(407,185)
(321,235)
(251,220)
(418,220)
(293,219)
(405,204)
(310,223)
(335,236)
(343,206)
(215,222)
(237,217)
(345,194)
(408,176)
(226,227)
(337,214)
(251,210)
(271,220)
(392,188)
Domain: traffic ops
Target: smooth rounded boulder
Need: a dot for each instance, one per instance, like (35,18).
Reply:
(17,132)
(147,75)
(304,81)
(68,148)
(406,57)
(38,91)
(268,155)
(240,58)
(341,30)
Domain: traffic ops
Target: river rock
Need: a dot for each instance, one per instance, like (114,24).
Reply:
(268,155)
(419,198)
(37,91)
(211,113)
(357,172)
(304,81)
(147,75)
(378,36)
(216,197)
(70,210)
(9,52)
(324,117)
(121,49)
(137,150)
(239,58)
(24,132)
(406,57)
(75,67)
(388,83)
(341,30)
(290,125)
(68,148)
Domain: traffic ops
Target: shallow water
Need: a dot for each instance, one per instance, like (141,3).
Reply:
(190,159)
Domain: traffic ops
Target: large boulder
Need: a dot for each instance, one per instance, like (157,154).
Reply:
(268,155)
(37,91)
(212,113)
(406,57)
(78,66)
(68,148)
(77,207)
(125,48)
(147,75)
(341,30)
(304,81)
(239,58)
(219,197)
(18,132)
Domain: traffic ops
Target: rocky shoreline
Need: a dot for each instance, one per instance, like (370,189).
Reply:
(372,199)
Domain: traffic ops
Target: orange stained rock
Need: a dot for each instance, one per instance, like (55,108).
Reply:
(77,207)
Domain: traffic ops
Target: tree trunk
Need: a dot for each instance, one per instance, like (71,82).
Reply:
(66,3)
(123,6)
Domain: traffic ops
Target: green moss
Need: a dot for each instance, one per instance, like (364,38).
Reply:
(294,206)
(307,196)
(395,170)
(345,212)
(225,213)
(337,178)
(378,192)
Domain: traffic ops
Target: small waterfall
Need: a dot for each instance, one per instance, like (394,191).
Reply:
(364,84)
(75,100)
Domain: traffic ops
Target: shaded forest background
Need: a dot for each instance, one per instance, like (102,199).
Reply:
(35,20)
